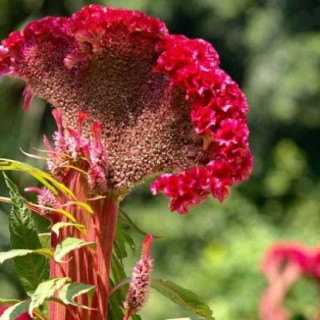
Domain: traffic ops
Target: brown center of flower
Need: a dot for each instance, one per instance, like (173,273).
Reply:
(145,122)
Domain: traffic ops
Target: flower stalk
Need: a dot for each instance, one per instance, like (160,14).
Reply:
(88,265)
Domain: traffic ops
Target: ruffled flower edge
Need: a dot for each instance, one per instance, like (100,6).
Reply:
(305,258)
(83,34)
(218,114)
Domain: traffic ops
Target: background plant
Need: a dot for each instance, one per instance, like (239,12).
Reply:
(272,48)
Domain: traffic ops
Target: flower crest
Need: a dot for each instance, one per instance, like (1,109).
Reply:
(163,104)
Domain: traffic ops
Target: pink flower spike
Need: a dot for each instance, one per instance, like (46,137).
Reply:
(82,116)
(146,247)
(96,130)
(140,281)
(46,142)
(57,114)
(46,199)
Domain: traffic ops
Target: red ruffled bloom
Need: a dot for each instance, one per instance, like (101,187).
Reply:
(164,105)
(282,265)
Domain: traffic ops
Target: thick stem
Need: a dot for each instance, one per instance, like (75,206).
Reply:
(87,265)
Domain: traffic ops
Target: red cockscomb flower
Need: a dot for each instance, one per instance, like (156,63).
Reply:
(131,101)
(282,265)
(163,104)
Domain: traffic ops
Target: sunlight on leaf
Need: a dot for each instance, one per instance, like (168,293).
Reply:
(81,204)
(45,290)
(59,225)
(4,256)
(72,290)
(68,245)
(45,178)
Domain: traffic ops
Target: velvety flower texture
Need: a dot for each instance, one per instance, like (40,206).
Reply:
(282,265)
(163,104)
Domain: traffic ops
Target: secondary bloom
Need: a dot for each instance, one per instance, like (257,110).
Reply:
(282,265)
(163,104)
(140,281)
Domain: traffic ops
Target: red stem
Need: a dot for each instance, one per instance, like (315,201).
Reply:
(87,265)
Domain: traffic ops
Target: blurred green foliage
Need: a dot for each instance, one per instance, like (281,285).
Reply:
(272,48)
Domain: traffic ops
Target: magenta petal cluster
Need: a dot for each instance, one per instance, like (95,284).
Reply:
(163,104)
(307,260)
(282,265)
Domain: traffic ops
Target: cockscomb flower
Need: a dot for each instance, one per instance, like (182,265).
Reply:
(140,281)
(163,103)
(131,102)
(282,265)
(280,254)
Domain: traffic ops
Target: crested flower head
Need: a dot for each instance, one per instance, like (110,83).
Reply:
(307,260)
(159,103)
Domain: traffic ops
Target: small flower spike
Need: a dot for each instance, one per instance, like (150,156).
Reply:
(73,150)
(140,281)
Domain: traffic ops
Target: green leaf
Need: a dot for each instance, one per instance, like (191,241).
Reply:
(183,297)
(45,178)
(126,220)
(59,225)
(72,290)
(8,301)
(117,298)
(122,239)
(68,245)
(65,213)
(14,253)
(13,312)
(46,290)
(45,239)
(31,269)
(83,205)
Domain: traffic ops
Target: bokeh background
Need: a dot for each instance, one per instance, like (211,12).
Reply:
(272,48)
